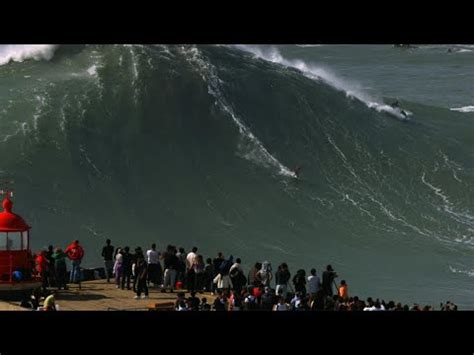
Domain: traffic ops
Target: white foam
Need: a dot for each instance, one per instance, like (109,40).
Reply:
(41,102)
(94,73)
(469,273)
(452,165)
(134,64)
(62,122)
(397,112)
(19,53)
(134,59)
(344,159)
(314,72)
(463,109)
(165,53)
(400,219)
(8,136)
(25,128)
(370,194)
(459,216)
(91,163)
(92,70)
(347,197)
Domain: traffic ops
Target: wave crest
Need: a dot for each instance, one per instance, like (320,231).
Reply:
(19,53)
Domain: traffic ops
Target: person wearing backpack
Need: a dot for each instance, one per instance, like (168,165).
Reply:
(236,274)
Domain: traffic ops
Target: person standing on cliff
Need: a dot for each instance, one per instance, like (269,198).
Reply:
(108,255)
(127,261)
(141,274)
(60,267)
(190,261)
(75,253)
(51,269)
(328,279)
(42,269)
(154,266)
(282,277)
(170,264)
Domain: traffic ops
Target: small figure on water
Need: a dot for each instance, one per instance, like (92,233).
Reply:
(296,171)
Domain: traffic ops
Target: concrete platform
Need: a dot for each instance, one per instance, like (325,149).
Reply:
(98,295)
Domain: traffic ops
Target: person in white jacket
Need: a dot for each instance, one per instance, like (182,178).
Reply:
(223,282)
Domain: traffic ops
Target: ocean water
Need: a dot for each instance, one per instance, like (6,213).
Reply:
(194,145)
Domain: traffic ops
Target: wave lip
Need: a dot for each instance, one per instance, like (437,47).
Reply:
(316,73)
(463,109)
(19,53)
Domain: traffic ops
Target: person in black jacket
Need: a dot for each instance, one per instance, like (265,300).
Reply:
(51,269)
(138,252)
(237,276)
(328,279)
(126,267)
(299,280)
(141,275)
(171,265)
(282,277)
(108,255)
(217,263)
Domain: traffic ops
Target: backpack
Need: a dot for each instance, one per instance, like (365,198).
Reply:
(234,273)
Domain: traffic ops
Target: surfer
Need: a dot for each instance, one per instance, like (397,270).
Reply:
(296,171)
(396,106)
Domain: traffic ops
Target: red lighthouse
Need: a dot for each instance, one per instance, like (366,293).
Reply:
(16,260)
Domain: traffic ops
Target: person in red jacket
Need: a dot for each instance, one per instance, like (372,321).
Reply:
(75,253)
(42,268)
